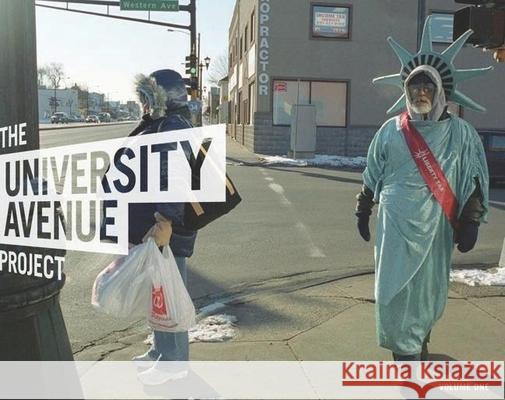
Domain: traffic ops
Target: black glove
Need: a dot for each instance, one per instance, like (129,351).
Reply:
(466,236)
(363,210)
(364,230)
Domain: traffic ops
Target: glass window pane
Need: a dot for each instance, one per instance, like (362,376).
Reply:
(287,93)
(441,27)
(330,99)
(497,143)
(331,22)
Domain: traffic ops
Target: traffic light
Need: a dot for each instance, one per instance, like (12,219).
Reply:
(191,65)
(191,84)
(487,23)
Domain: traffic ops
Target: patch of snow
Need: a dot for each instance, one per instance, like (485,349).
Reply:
(319,160)
(149,339)
(477,277)
(216,328)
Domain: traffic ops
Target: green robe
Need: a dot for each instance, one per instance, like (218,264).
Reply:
(414,239)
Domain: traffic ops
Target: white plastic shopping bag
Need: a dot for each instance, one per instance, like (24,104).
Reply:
(172,309)
(123,288)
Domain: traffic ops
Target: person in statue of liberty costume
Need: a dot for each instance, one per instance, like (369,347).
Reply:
(414,237)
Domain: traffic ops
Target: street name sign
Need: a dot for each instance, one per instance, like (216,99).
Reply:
(149,5)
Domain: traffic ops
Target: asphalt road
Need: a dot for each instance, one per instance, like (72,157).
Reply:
(293,222)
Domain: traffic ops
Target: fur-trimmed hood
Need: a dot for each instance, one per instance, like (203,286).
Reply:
(164,91)
(149,91)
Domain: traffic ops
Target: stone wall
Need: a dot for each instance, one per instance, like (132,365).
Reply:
(264,138)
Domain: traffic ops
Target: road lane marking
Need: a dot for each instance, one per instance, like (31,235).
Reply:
(280,191)
(314,251)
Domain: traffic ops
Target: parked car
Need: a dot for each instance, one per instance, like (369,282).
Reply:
(76,118)
(59,118)
(104,117)
(494,145)
(92,119)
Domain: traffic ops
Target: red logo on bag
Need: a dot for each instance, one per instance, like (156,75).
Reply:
(159,307)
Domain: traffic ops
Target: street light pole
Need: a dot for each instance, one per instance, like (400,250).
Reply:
(200,76)
(192,30)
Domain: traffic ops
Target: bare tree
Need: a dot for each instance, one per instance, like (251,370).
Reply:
(41,76)
(55,75)
(218,69)
(70,102)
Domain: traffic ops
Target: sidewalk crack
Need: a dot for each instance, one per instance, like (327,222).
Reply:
(485,311)
(322,322)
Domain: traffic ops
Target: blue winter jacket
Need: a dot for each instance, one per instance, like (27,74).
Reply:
(141,215)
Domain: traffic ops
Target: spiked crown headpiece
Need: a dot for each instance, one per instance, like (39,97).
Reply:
(442,62)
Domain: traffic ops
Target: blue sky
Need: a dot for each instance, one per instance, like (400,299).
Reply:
(106,53)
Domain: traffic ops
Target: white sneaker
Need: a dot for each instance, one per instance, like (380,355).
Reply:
(144,361)
(161,373)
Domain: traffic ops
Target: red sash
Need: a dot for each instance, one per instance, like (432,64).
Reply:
(430,169)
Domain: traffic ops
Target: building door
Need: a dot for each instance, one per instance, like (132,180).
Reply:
(238,116)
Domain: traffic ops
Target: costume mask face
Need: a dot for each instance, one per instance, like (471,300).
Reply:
(422,97)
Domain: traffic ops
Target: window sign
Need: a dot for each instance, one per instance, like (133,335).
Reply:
(441,27)
(330,22)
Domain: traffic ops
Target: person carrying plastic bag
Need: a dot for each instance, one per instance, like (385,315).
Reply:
(146,284)
(163,96)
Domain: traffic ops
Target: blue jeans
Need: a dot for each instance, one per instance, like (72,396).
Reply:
(171,346)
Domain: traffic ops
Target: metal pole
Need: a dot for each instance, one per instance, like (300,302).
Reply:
(144,21)
(296,122)
(18,70)
(192,30)
(198,63)
(421,16)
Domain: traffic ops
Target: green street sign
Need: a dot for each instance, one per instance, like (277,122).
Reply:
(149,5)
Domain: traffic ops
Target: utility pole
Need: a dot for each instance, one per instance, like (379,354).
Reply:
(192,30)
(421,16)
(199,66)
(32,324)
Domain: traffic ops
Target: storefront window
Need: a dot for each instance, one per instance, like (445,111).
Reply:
(330,99)
(287,93)
(330,22)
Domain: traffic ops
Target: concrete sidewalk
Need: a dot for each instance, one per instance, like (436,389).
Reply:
(332,321)
(238,154)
